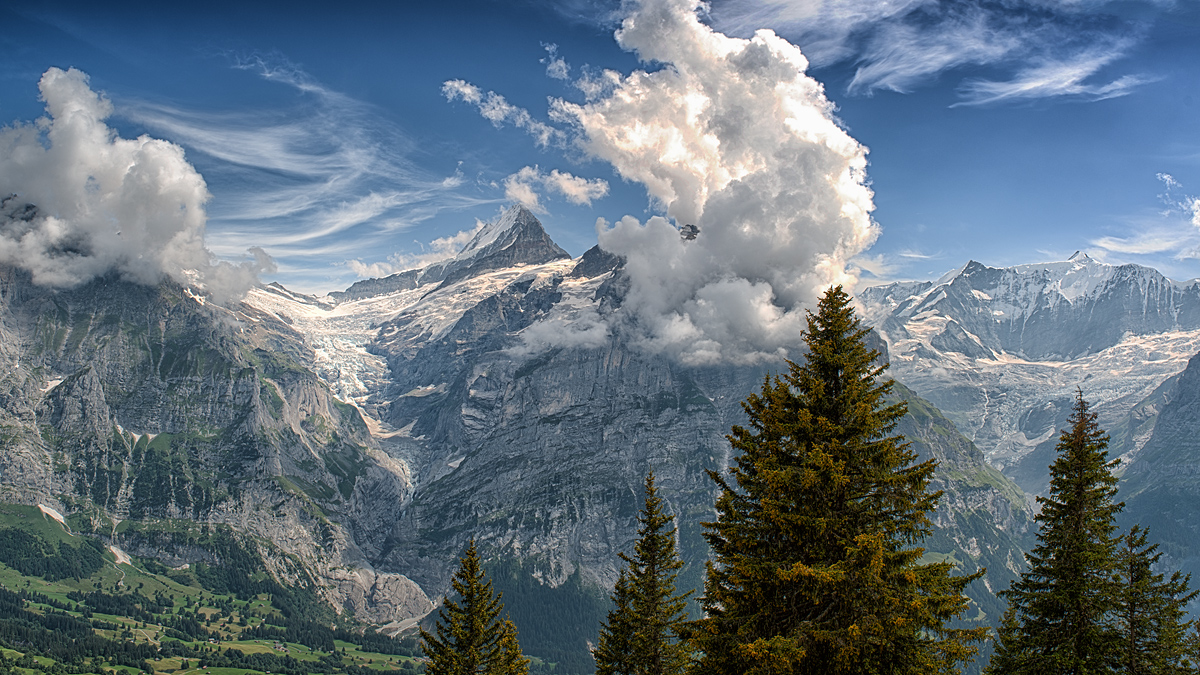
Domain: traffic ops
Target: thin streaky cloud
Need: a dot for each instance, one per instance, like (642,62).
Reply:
(900,45)
(917,255)
(311,174)
(1139,245)
(903,56)
(1055,79)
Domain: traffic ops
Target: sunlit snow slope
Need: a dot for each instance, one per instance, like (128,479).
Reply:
(1002,350)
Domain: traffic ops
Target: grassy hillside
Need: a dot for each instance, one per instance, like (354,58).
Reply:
(71,604)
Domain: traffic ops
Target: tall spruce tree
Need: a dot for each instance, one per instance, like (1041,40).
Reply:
(816,568)
(471,638)
(1061,615)
(614,650)
(1156,634)
(641,634)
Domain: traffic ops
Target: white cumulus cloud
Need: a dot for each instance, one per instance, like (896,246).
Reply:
(523,186)
(730,135)
(80,201)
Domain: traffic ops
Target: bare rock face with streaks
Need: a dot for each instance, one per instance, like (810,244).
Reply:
(133,403)
(360,439)
(529,421)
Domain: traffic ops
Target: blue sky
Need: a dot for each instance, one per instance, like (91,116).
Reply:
(327,135)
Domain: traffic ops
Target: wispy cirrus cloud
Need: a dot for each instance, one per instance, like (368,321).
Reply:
(1173,232)
(1046,49)
(1057,78)
(326,177)
(1159,240)
(912,254)
(497,110)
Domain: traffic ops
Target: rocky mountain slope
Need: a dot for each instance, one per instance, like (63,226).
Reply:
(1002,350)
(1161,489)
(537,447)
(361,438)
(137,403)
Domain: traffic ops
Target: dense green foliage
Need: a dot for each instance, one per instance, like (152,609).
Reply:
(614,651)
(31,555)
(641,635)
(62,632)
(1090,601)
(62,637)
(816,568)
(1152,620)
(556,623)
(1061,612)
(141,617)
(470,635)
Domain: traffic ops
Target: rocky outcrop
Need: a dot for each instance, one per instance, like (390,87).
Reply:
(141,403)
(496,399)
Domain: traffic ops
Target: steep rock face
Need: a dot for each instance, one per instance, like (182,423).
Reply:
(1161,488)
(1002,350)
(367,288)
(529,421)
(516,238)
(594,262)
(143,402)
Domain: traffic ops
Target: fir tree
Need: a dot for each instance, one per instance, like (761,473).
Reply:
(641,634)
(471,638)
(816,568)
(511,661)
(1061,611)
(614,650)
(1156,634)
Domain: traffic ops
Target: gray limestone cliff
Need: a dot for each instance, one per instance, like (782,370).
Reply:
(140,403)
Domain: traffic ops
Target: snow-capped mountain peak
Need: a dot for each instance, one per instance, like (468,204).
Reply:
(1025,336)
(516,238)
(515,217)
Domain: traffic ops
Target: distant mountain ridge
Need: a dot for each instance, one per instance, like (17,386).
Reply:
(1002,350)
(1041,312)
(516,238)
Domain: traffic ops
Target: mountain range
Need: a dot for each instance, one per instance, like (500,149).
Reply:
(359,439)
(1003,351)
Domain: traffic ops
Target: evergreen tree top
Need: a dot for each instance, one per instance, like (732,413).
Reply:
(1061,615)
(641,635)
(470,638)
(815,568)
